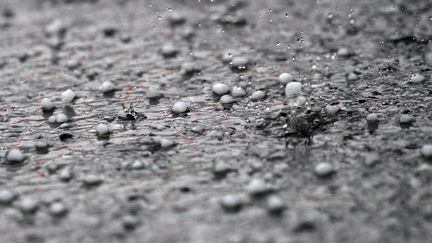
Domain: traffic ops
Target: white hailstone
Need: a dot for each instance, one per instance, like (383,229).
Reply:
(14,156)
(428,57)
(293,89)
(102,130)
(47,105)
(179,107)
(68,96)
(107,87)
(352,77)
(166,143)
(176,18)
(331,110)
(6,197)
(323,169)
(65,175)
(301,100)
(257,187)
(92,180)
(286,77)
(57,209)
(52,119)
(275,204)
(417,78)
(231,203)
(137,165)
(238,92)
(372,117)
(227,101)
(169,50)
(343,52)
(28,205)
(220,88)
(405,119)
(426,151)
(55,28)
(153,92)
(61,118)
(258,95)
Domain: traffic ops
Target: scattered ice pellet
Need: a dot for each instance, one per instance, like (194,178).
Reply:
(220,88)
(47,105)
(102,130)
(61,118)
(331,110)
(257,187)
(238,92)
(57,209)
(286,77)
(179,107)
(107,87)
(68,96)
(275,205)
(258,95)
(227,101)
(324,169)
(372,118)
(14,156)
(231,203)
(426,151)
(6,196)
(293,89)
(417,78)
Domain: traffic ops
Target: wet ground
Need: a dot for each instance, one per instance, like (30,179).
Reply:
(220,175)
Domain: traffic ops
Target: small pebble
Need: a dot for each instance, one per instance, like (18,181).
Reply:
(238,92)
(257,187)
(331,110)
(227,101)
(14,156)
(426,151)
(57,209)
(220,89)
(286,77)
(61,118)
(68,96)
(179,107)
(293,89)
(231,203)
(107,87)
(47,105)
(324,169)
(102,130)
(6,196)
(417,78)
(275,205)
(372,118)
(28,205)
(258,95)
(92,180)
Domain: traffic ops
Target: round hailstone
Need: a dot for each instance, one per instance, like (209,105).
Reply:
(258,95)
(176,18)
(6,197)
(166,143)
(286,77)
(293,89)
(92,180)
(220,168)
(153,92)
(372,118)
(107,87)
(169,51)
(231,203)
(239,63)
(179,107)
(47,105)
(61,118)
(405,119)
(417,78)
(57,209)
(68,96)
(14,156)
(28,205)
(331,110)
(102,130)
(352,77)
(343,52)
(227,101)
(220,89)
(238,92)
(65,175)
(257,187)
(301,100)
(324,169)
(426,151)
(52,119)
